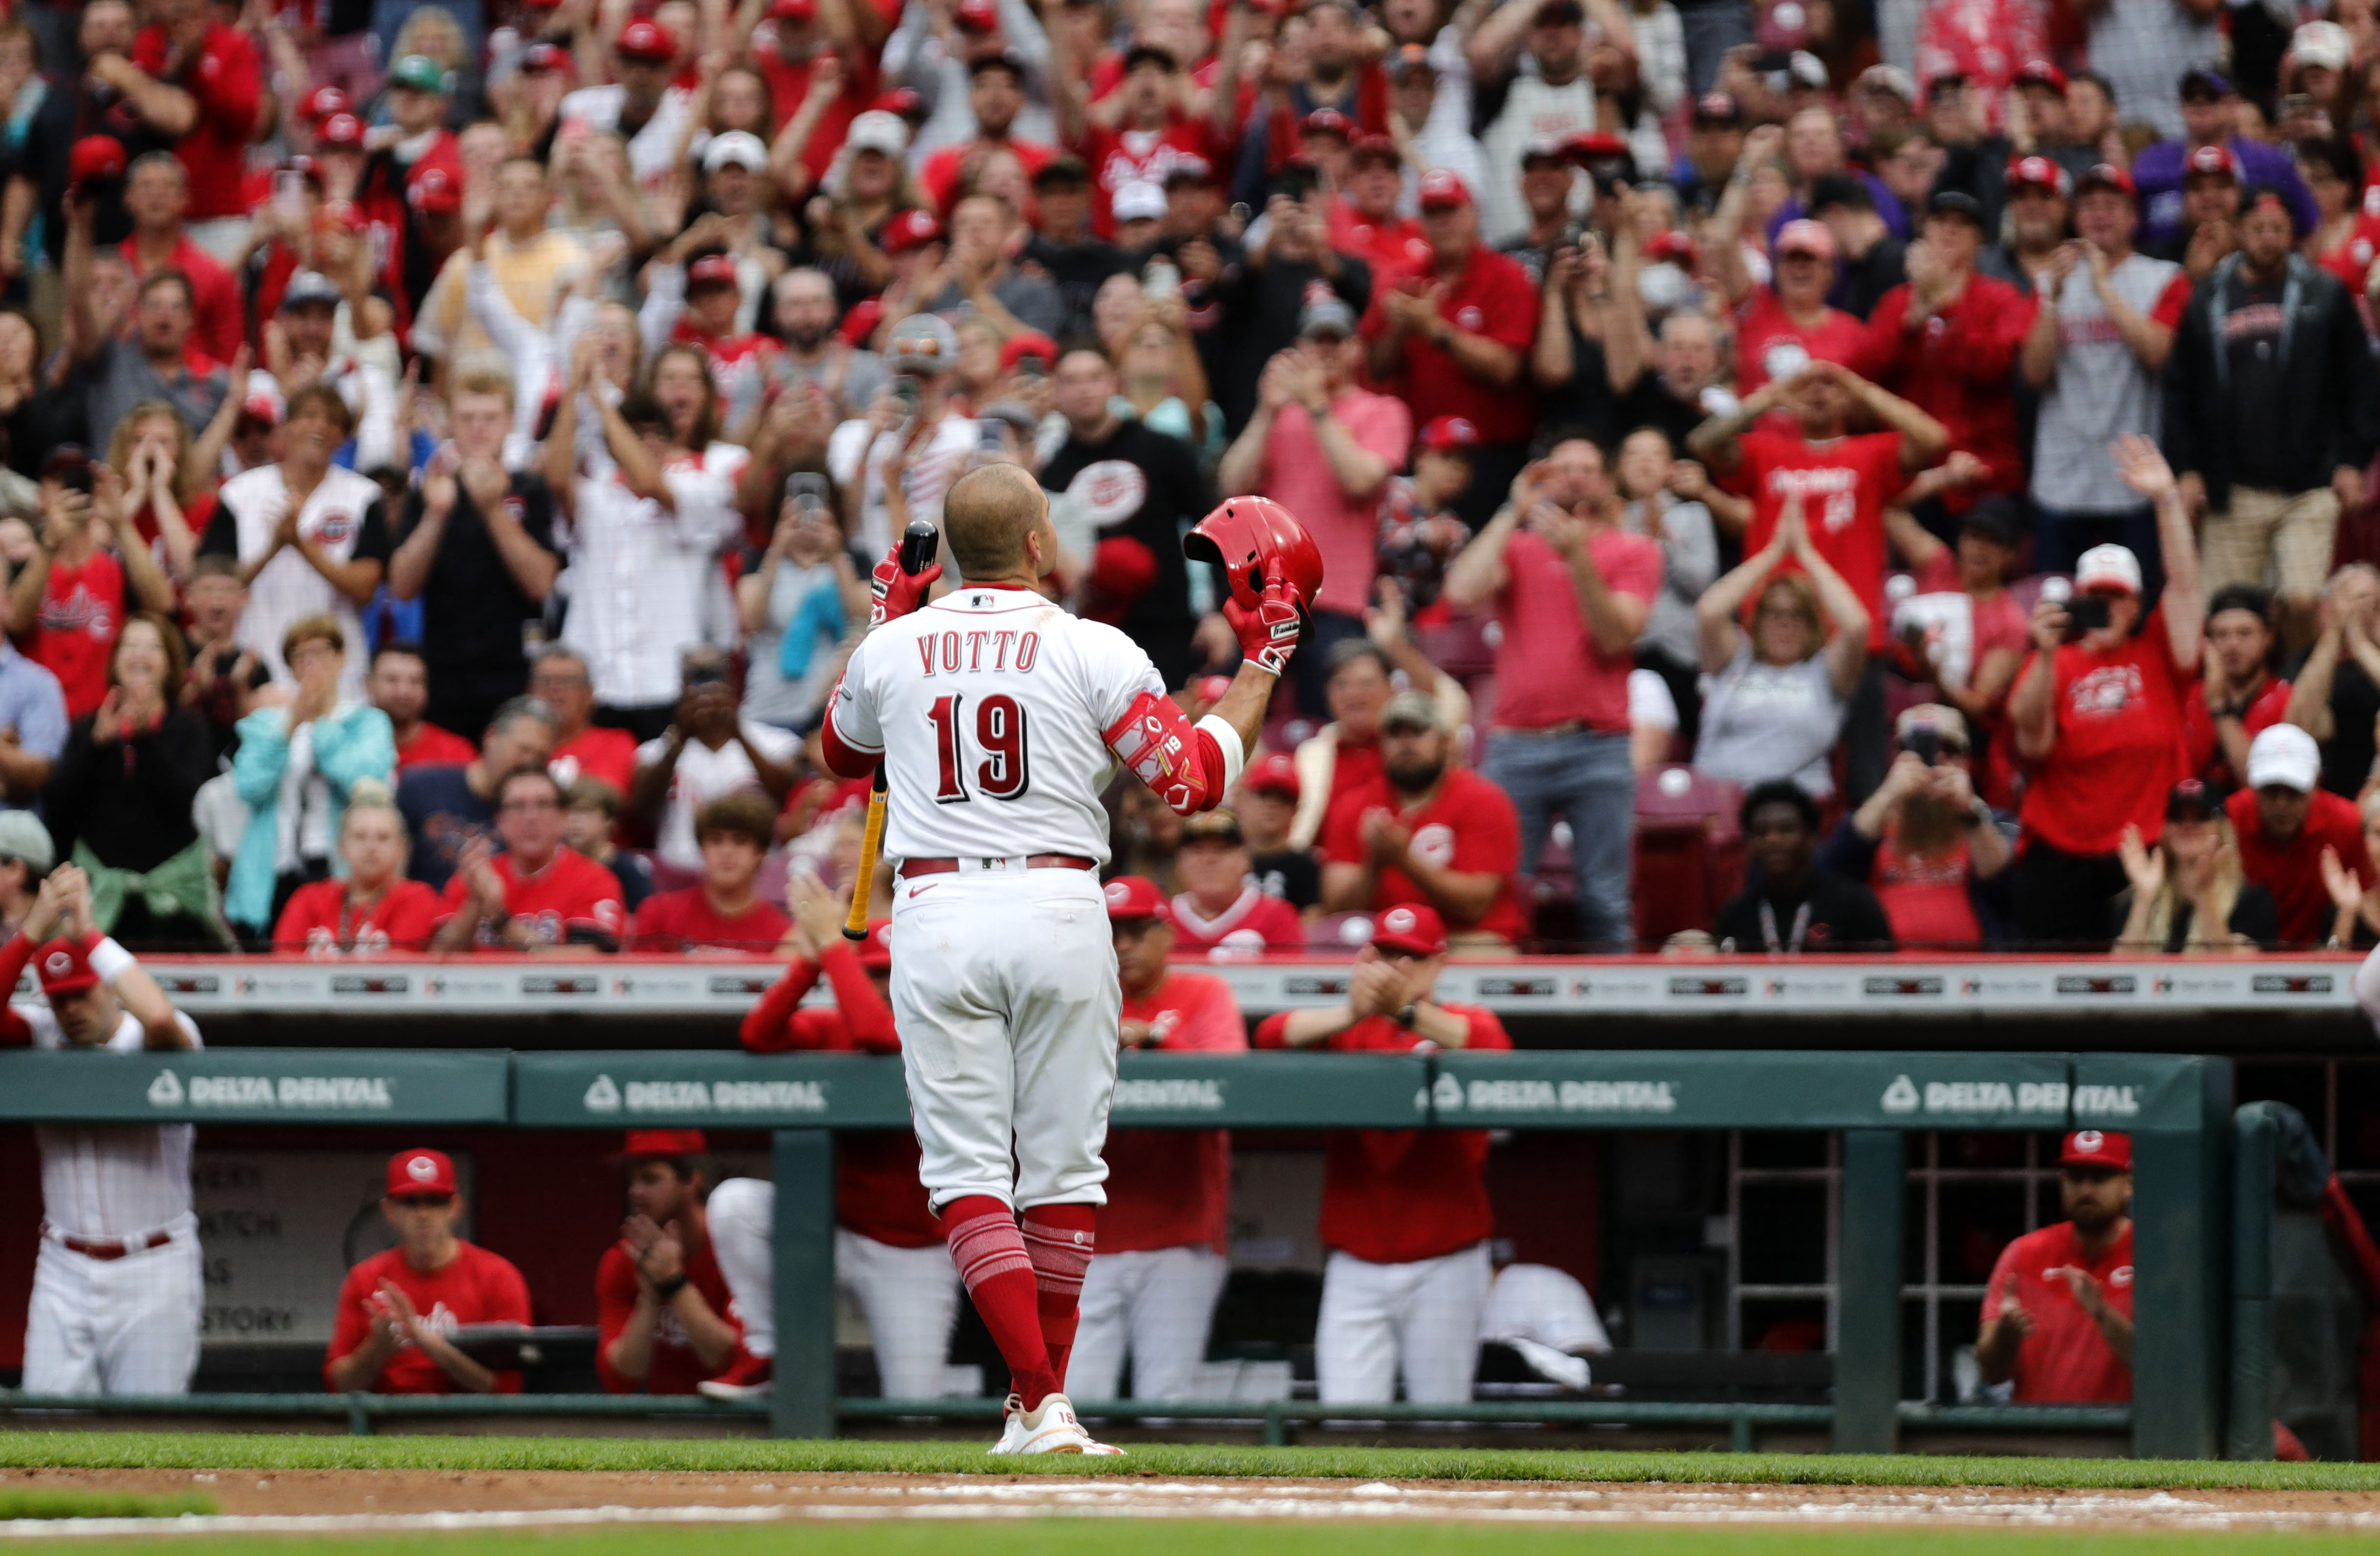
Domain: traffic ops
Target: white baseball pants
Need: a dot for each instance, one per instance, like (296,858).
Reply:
(1004,992)
(910,1295)
(116,1326)
(1423,1316)
(1156,1303)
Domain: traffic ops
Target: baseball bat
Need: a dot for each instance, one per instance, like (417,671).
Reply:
(918,544)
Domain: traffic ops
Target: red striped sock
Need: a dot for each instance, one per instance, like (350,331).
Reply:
(990,1254)
(1059,1238)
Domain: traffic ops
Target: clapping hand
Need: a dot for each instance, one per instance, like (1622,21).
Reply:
(2144,468)
(816,911)
(2144,865)
(657,1252)
(2346,889)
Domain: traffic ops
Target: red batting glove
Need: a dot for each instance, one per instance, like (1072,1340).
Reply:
(1269,633)
(894,594)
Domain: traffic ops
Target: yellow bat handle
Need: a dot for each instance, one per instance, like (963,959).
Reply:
(855,923)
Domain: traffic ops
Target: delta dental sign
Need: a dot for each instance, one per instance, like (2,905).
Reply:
(2048,1099)
(299,1093)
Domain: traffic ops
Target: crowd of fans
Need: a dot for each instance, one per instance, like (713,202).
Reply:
(444,444)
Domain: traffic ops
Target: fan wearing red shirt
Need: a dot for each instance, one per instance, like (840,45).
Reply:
(1997,636)
(73,599)
(996,94)
(851,35)
(1844,480)
(733,831)
(1221,911)
(560,681)
(2100,719)
(213,86)
(536,896)
(1573,590)
(1364,220)
(398,1310)
(1781,328)
(2286,822)
(2239,697)
(1451,338)
(1405,1212)
(1344,755)
(662,1307)
(2058,1310)
(1163,1232)
(375,909)
(398,685)
(1426,832)
(1139,133)
(1948,339)
(888,1248)
(157,193)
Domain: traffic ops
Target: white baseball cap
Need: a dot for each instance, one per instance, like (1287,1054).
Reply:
(738,146)
(2325,43)
(2286,755)
(1139,201)
(877,130)
(2102,566)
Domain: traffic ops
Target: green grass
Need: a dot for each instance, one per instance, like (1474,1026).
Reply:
(43,1502)
(202,1451)
(1102,1538)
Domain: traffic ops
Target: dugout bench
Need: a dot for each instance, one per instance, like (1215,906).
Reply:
(2177,1109)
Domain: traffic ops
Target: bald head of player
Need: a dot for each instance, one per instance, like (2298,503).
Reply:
(997,521)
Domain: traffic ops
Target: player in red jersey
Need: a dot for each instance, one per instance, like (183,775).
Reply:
(536,895)
(397,1309)
(1405,1212)
(1220,909)
(2057,1311)
(1163,1232)
(375,909)
(889,1253)
(662,1309)
(733,833)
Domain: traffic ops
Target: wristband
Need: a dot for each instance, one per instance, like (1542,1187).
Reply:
(111,961)
(1235,754)
(667,1290)
(1411,1013)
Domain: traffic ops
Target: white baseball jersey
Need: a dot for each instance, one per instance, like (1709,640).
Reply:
(992,708)
(111,1180)
(344,514)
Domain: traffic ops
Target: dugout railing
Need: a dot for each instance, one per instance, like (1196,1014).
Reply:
(2176,1108)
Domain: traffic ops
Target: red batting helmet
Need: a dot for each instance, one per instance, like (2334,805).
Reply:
(1254,539)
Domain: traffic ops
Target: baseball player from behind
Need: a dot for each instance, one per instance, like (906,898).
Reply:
(117,1292)
(998,718)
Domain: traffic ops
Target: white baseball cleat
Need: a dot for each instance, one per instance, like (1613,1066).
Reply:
(1012,1428)
(1050,1430)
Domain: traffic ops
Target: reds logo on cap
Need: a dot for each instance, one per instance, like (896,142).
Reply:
(1399,920)
(421,1169)
(58,964)
(1117,892)
(2089,1139)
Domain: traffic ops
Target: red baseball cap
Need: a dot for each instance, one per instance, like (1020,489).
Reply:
(647,1145)
(1328,121)
(906,230)
(800,12)
(1375,148)
(2041,73)
(1447,434)
(901,101)
(65,966)
(434,190)
(876,952)
(648,41)
(412,1173)
(1805,236)
(1442,189)
(1595,146)
(1275,773)
(539,57)
(2039,172)
(977,16)
(1032,342)
(2096,1148)
(323,102)
(2106,176)
(1677,248)
(95,158)
(2216,158)
(340,130)
(1411,926)
(711,270)
(1134,899)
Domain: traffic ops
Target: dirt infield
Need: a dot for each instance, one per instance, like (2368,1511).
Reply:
(363,1499)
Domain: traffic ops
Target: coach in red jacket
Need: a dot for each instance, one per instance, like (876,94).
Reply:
(1405,1212)
(888,1247)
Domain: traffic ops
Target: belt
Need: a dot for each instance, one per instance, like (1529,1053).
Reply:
(947,865)
(1548,732)
(105,1249)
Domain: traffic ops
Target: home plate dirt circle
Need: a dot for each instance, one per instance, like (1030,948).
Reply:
(391,1500)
